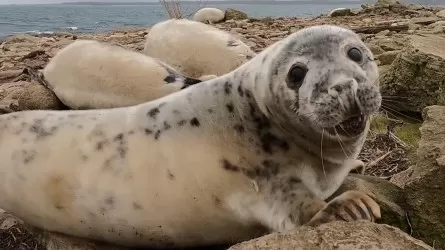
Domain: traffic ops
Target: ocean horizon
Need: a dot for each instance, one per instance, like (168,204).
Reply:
(99,18)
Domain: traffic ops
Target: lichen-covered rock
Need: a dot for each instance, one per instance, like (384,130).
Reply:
(389,196)
(417,75)
(36,96)
(424,183)
(232,14)
(337,235)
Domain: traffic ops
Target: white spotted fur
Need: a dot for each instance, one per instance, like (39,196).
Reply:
(173,189)
(195,48)
(209,15)
(93,74)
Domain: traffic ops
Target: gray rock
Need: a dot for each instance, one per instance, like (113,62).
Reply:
(337,235)
(232,14)
(417,74)
(424,183)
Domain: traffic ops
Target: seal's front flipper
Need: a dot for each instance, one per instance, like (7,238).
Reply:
(349,206)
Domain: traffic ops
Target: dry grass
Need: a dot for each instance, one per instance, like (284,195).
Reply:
(176,10)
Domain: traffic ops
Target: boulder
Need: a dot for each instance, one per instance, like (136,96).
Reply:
(9,95)
(424,182)
(337,235)
(340,12)
(441,14)
(36,96)
(235,14)
(416,76)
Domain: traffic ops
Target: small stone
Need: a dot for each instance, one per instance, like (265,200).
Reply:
(382,33)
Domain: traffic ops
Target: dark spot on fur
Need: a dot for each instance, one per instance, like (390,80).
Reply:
(171,176)
(268,140)
(148,131)
(182,122)
(229,166)
(170,79)
(100,145)
(195,122)
(210,111)
(176,112)
(217,201)
(240,91)
(230,107)
(153,112)
(239,128)
(109,201)
(137,206)
(157,134)
(166,126)
(227,88)
(231,43)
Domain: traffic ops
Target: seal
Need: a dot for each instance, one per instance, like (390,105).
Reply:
(89,74)
(227,160)
(209,15)
(195,48)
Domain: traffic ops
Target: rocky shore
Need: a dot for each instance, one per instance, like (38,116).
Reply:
(404,153)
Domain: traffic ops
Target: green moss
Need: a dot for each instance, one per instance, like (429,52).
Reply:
(409,133)
(378,124)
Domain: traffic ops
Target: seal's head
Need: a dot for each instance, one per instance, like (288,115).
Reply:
(325,76)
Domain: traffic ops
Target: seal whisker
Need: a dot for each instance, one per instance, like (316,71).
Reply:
(393,111)
(341,144)
(321,156)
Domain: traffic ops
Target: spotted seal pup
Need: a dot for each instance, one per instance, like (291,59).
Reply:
(223,161)
(195,48)
(89,74)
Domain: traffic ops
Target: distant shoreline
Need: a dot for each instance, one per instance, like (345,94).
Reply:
(217,2)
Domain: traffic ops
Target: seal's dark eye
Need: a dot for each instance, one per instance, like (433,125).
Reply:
(296,75)
(355,55)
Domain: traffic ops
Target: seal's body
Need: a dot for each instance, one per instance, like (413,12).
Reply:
(223,161)
(209,15)
(89,74)
(195,48)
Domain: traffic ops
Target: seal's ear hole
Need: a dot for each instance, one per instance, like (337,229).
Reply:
(355,55)
(296,75)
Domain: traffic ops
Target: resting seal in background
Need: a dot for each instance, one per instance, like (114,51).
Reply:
(223,161)
(195,48)
(89,74)
(209,15)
